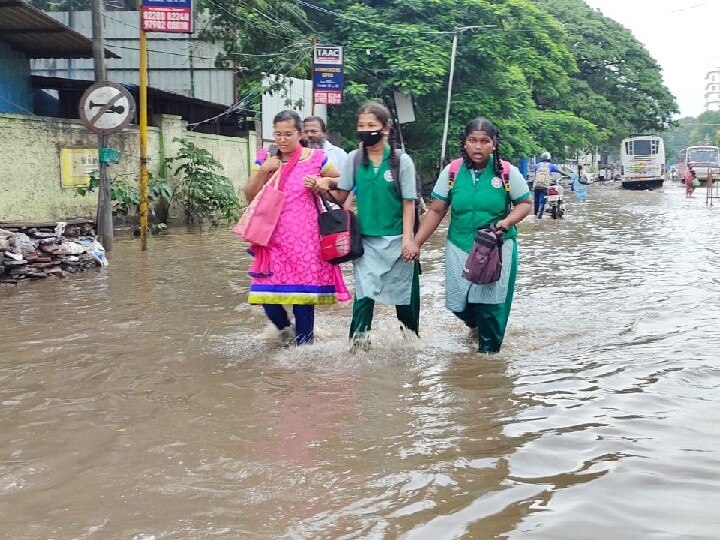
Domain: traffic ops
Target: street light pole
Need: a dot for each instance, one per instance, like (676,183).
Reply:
(450,85)
(449,96)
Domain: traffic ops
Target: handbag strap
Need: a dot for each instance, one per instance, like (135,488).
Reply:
(325,204)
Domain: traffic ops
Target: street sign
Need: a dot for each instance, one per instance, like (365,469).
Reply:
(327,75)
(167,16)
(106,107)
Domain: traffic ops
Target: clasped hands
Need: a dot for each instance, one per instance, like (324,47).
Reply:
(410,250)
(317,184)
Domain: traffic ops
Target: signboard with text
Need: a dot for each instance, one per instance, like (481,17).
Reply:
(76,166)
(328,75)
(167,16)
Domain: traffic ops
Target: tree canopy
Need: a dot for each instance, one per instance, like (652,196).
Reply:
(552,74)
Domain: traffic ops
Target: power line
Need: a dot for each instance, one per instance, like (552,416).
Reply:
(240,103)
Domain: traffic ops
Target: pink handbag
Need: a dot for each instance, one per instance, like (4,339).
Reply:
(260,218)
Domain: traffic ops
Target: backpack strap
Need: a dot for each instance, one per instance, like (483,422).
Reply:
(395,171)
(357,160)
(455,165)
(506,183)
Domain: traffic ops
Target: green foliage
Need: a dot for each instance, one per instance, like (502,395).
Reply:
(125,196)
(94,184)
(203,193)
(618,85)
(552,74)
(691,131)
(258,37)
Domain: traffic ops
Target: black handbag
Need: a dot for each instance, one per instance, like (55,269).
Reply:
(340,239)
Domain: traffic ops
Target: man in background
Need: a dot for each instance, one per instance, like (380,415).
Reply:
(315,132)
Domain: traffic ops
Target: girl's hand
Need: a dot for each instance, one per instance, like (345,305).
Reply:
(317,184)
(410,250)
(270,165)
(501,227)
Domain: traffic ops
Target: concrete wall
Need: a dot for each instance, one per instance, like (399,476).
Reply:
(30,182)
(15,91)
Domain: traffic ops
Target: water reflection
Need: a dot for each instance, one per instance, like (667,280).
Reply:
(144,401)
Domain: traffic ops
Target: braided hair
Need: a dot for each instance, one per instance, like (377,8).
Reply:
(482,124)
(382,114)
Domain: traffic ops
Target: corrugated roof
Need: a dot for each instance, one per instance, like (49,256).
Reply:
(31,31)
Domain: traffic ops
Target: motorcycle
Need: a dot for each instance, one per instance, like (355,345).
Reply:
(555,200)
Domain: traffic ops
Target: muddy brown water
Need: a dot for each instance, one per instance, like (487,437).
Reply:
(146,401)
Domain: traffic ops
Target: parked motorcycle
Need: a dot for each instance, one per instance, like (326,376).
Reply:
(555,200)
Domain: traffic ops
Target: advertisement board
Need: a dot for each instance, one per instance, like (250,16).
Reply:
(167,16)
(328,75)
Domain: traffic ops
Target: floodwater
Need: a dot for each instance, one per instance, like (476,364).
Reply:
(146,402)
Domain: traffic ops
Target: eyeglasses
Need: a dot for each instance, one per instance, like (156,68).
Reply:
(285,135)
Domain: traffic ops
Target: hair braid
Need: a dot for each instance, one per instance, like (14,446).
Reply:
(497,162)
(394,158)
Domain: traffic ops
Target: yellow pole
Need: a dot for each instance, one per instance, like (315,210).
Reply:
(143,141)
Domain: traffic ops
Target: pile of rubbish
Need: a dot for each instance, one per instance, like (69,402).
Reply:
(31,251)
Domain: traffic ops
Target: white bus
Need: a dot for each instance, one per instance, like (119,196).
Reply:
(703,159)
(642,162)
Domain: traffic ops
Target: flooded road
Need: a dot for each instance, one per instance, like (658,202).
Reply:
(144,401)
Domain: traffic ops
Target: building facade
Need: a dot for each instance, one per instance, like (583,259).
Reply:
(712,90)
(177,63)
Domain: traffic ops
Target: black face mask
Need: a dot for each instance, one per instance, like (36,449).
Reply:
(370,138)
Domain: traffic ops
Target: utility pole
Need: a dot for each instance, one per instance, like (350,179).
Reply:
(450,85)
(449,97)
(143,137)
(104,208)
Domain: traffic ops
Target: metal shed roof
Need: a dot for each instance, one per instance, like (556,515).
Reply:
(31,31)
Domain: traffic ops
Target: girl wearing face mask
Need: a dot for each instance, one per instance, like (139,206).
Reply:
(386,221)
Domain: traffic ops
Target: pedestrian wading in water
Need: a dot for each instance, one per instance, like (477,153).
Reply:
(386,218)
(290,269)
(478,196)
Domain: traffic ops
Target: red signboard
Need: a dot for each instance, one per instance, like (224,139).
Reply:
(167,16)
(328,97)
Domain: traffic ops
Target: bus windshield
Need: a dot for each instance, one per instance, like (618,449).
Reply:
(703,155)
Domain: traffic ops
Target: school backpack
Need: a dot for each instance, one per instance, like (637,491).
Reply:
(395,171)
(542,176)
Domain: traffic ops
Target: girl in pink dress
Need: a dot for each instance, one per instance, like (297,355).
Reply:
(689,181)
(290,270)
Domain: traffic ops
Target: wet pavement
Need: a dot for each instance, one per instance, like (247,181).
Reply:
(147,402)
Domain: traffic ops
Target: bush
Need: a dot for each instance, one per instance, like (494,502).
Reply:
(202,191)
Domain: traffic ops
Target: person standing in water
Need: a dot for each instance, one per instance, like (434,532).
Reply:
(290,269)
(386,218)
(476,196)
(580,183)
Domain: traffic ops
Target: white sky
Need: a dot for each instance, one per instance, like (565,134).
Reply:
(683,36)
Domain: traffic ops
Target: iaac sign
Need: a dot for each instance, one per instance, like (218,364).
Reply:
(328,75)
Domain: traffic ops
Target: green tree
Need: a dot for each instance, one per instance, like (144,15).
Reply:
(678,137)
(618,85)
(259,37)
(503,67)
(706,128)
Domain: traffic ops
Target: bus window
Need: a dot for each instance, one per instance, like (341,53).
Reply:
(643,147)
(703,155)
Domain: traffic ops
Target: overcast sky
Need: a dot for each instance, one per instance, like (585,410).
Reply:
(683,36)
